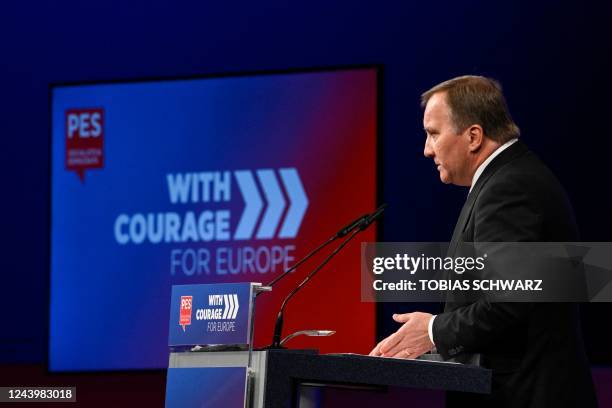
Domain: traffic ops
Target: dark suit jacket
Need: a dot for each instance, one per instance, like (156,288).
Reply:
(535,350)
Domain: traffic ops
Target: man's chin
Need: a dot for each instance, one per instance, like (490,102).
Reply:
(444,178)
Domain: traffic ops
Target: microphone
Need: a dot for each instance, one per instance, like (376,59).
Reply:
(356,228)
(346,230)
(341,233)
(372,217)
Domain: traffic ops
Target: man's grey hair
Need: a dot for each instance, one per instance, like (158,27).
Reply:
(477,100)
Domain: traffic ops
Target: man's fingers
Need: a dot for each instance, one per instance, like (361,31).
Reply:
(380,346)
(401,318)
(400,353)
(390,342)
(376,350)
(398,350)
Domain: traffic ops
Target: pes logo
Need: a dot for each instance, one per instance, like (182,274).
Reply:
(84,140)
(185,311)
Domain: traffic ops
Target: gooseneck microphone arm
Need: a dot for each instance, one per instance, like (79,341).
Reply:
(358,227)
(341,233)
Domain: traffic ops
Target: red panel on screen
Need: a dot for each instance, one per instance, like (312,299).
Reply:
(343,192)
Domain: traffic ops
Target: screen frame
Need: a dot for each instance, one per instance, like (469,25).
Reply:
(379,176)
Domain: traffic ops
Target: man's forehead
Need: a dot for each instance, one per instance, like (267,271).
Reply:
(437,103)
(436,109)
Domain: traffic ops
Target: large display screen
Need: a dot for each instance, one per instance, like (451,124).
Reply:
(206,180)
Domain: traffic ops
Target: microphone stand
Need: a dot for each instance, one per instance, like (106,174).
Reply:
(360,226)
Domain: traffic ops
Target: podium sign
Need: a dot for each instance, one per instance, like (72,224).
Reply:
(210,314)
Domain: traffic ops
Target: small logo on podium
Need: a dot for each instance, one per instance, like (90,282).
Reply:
(186,306)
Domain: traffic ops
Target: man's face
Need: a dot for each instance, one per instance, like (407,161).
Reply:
(448,149)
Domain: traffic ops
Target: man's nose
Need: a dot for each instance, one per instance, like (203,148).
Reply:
(428,151)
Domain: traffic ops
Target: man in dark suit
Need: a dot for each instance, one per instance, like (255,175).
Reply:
(535,350)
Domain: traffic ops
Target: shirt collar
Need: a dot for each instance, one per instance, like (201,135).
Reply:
(489,159)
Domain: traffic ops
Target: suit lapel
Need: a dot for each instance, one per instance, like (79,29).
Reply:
(462,222)
(511,153)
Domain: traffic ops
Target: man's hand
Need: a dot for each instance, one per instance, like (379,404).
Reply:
(409,341)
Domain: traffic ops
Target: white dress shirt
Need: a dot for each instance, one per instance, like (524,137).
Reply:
(477,174)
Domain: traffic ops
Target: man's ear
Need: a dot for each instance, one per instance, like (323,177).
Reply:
(476,137)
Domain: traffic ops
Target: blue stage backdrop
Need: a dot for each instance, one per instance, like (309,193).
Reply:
(204,180)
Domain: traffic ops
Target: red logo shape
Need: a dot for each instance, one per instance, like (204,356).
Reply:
(84,140)
(185,317)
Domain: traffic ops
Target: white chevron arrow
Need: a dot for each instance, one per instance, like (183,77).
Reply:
(225,307)
(276,204)
(299,202)
(231,306)
(253,206)
(236,305)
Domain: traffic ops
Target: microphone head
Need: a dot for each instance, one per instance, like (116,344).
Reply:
(356,223)
(372,217)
